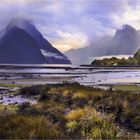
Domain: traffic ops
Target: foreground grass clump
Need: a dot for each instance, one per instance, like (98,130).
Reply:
(73,111)
(23,127)
(91,124)
(124,104)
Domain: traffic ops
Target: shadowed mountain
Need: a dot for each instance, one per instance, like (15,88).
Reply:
(22,43)
(124,42)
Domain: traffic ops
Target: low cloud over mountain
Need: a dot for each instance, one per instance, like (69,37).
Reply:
(125,42)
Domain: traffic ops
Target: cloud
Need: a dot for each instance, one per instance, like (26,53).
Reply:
(73,23)
(68,40)
(130,16)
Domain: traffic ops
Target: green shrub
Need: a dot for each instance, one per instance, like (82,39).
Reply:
(72,125)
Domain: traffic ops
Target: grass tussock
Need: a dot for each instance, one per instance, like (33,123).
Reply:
(27,127)
(90,124)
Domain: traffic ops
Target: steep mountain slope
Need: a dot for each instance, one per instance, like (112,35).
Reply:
(13,50)
(22,43)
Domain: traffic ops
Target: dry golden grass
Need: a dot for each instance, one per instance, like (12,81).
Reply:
(91,124)
(78,113)
(27,127)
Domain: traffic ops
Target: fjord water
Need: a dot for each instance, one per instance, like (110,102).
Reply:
(83,75)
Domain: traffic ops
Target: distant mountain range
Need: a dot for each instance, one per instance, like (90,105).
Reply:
(125,42)
(22,43)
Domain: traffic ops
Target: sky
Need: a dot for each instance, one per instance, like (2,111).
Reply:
(71,24)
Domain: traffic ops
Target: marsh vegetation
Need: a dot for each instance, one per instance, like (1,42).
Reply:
(72,111)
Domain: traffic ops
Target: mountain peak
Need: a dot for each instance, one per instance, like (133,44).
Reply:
(125,41)
(126,28)
(22,38)
(19,22)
